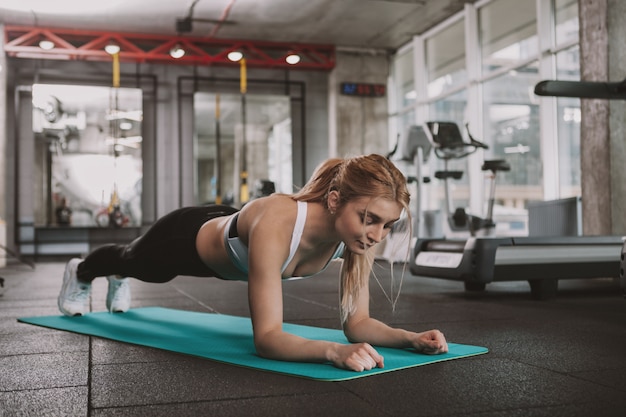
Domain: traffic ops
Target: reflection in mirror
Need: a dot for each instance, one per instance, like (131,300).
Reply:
(88,150)
(218,150)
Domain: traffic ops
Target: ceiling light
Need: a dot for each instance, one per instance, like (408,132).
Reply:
(46,44)
(112,48)
(126,125)
(292,58)
(177,52)
(235,56)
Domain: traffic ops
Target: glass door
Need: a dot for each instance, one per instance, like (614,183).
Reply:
(242,147)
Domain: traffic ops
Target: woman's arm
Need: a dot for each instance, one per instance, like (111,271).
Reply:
(268,248)
(360,327)
(272,342)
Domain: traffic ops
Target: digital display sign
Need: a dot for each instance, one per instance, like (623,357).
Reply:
(363,89)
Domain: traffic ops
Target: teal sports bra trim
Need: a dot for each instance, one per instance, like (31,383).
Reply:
(238,251)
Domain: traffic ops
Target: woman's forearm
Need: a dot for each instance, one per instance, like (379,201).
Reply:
(284,346)
(375,332)
(379,334)
(287,347)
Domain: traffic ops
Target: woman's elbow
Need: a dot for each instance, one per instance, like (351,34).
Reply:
(354,327)
(350,333)
(263,348)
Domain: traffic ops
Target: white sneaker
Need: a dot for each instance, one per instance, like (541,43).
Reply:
(118,296)
(74,297)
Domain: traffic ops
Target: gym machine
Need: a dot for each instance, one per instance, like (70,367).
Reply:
(542,261)
(589,89)
(448,145)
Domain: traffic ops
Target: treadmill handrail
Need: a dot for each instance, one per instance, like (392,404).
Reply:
(566,240)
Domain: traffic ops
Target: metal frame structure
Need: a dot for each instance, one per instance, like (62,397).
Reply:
(88,45)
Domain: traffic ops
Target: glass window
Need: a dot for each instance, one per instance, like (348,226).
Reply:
(508,49)
(89,159)
(511,126)
(406,119)
(450,108)
(402,123)
(445,59)
(568,125)
(508,32)
(405,86)
(566,16)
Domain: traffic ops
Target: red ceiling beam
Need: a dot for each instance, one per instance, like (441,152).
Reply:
(87,45)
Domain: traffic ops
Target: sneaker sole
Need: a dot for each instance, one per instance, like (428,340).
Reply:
(66,280)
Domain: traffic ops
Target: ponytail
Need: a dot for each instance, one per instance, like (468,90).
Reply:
(322,181)
(362,176)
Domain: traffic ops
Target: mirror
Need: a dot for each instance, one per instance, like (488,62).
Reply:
(88,146)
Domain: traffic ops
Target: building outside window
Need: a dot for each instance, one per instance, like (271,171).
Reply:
(511,128)
(568,126)
(508,33)
(445,60)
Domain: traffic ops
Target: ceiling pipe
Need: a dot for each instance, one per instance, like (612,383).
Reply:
(222,19)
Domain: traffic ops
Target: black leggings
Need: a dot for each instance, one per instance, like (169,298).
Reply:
(166,250)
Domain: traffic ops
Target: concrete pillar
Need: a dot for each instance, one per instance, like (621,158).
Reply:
(602,40)
(617,115)
(361,122)
(3,133)
(3,147)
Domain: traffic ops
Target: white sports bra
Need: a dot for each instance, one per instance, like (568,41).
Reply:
(238,251)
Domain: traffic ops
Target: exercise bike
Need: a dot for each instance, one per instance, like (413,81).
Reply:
(448,144)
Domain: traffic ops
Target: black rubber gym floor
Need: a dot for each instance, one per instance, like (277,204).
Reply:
(561,357)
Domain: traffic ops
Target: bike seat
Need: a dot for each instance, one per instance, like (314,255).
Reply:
(496,165)
(455,175)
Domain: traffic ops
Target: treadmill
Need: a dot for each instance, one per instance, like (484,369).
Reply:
(589,89)
(542,261)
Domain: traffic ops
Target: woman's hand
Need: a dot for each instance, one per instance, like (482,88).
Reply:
(357,357)
(431,342)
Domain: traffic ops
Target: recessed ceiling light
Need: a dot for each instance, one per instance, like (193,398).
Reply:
(177,52)
(292,58)
(235,56)
(46,44)
(112,48)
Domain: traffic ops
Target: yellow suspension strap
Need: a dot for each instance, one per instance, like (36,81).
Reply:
(218,151)
(244,193)
(114,202)
(116,70)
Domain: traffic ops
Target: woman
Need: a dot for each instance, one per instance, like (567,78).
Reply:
(347,207)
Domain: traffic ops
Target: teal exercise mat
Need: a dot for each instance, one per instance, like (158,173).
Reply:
(229,339)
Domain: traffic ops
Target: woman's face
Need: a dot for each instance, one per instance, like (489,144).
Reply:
(364,222)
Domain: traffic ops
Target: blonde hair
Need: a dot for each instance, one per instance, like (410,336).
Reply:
(362,176)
